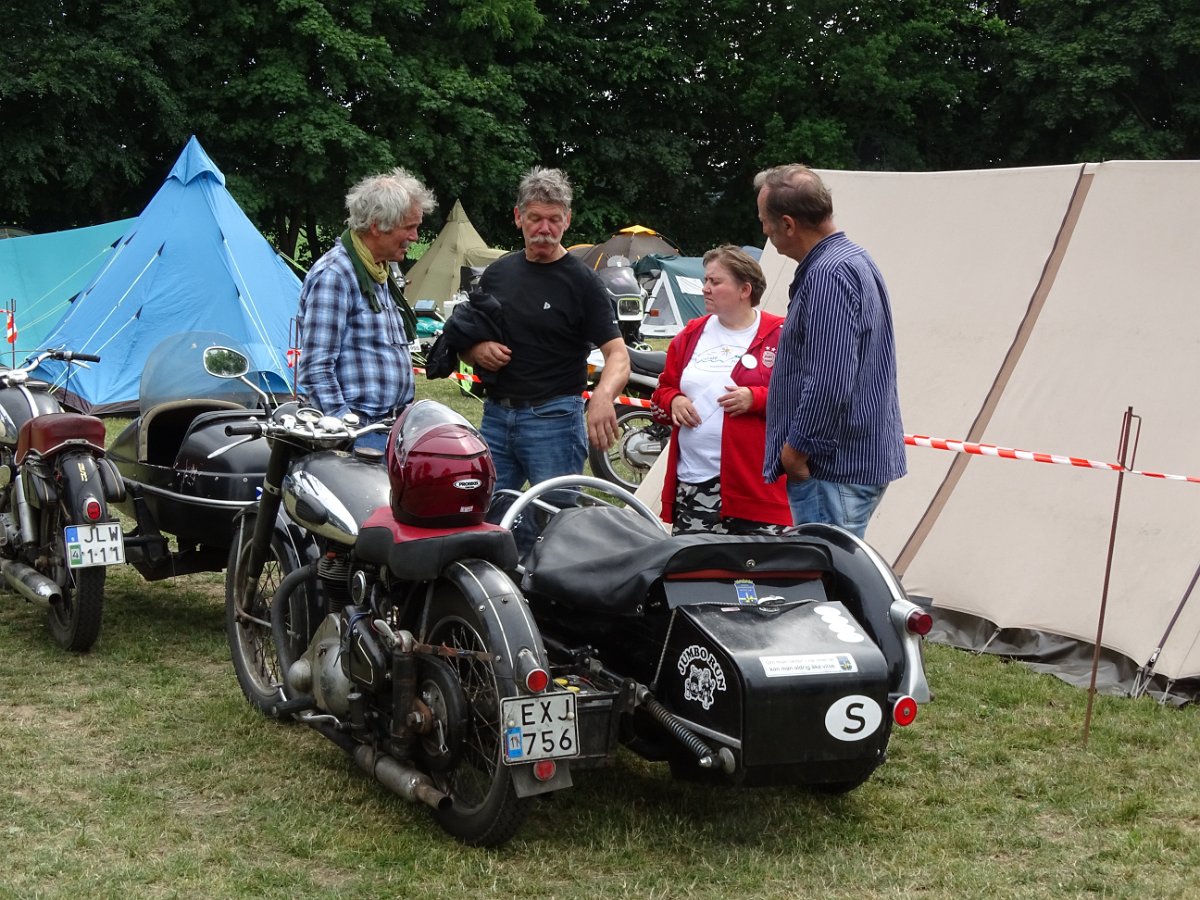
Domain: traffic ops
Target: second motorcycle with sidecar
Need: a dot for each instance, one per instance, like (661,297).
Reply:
(465,678)
(184,477)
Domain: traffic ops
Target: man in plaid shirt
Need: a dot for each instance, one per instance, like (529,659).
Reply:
(355,324)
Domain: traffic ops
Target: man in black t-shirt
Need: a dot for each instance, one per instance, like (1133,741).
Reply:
(554,309)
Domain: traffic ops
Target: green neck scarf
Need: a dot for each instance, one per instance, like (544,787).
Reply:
(368,277)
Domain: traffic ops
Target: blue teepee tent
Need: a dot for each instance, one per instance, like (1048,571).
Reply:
(40,273)
(192,261)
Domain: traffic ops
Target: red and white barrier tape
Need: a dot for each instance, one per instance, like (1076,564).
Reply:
(623,400)
(920,440)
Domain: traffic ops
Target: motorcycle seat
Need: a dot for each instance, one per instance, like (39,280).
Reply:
(631,555)
(413,553)
(647,362)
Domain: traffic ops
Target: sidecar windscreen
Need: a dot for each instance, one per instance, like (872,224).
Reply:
(174,371)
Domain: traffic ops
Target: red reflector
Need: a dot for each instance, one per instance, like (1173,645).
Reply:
(905,711)
(544,769)
(537,680)
(919,622)
(92,510)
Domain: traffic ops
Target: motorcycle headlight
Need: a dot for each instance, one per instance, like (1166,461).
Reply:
(629,308)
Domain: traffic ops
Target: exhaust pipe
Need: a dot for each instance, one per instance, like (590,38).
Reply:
(400,779)
(29,583)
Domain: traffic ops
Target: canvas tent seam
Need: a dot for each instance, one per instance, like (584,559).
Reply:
(1012,357)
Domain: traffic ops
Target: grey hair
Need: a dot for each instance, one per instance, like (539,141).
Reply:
(385,200)
(542,185)
(795,190)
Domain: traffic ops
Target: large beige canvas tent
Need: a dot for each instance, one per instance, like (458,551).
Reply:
(1031,308)
(435,276)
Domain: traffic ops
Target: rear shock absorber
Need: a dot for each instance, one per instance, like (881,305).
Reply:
(705,756)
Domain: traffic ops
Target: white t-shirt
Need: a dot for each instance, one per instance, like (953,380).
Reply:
(704,379)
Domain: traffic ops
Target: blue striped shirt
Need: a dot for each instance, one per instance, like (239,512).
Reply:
(833,391)
(351,359)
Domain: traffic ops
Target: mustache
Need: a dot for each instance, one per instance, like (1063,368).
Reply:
(543,239)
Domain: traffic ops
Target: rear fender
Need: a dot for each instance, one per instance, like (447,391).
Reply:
(81,483)
(509,630)
(511,636)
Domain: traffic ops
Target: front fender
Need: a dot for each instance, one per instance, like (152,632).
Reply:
(299,544)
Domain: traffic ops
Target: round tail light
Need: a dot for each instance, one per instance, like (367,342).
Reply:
(905,711)
(918,622)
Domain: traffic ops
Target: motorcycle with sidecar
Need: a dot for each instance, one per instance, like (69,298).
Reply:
(375,604)
(183,476)
(57,532)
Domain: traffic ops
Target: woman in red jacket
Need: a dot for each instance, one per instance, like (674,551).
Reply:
(713,392)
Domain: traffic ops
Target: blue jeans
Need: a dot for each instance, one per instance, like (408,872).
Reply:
(846,505)
(534,443)
(531,444)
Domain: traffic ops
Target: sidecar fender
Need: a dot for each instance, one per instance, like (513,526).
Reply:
(874,593)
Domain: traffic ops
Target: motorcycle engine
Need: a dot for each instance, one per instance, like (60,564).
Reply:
(319,672)
(344,656)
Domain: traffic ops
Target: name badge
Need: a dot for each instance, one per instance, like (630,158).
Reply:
(749,362)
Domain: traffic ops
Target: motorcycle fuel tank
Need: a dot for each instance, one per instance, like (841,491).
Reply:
(333,493)
(18,406)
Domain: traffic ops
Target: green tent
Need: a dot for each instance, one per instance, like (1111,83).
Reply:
(435,275)
(676,292)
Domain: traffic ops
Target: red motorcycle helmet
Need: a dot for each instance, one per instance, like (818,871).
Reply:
(439,466)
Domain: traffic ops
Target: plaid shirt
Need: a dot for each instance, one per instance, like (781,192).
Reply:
(351,359)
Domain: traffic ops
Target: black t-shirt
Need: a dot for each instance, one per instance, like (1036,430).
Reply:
(553,314)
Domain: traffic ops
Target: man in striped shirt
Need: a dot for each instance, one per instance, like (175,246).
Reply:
(833,414)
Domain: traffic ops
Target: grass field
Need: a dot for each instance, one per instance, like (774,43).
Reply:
(138,771)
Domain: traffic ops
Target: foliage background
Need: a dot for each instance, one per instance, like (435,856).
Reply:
(660,112)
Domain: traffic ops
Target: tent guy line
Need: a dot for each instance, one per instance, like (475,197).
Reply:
(969,447)
(920,440)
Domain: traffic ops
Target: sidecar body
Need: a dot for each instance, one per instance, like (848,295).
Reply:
(184,476)
(756,660)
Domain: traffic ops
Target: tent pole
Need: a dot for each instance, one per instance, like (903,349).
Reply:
(1123,452)
(1146,672)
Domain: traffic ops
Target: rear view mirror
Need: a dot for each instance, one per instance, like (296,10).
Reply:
(225,363)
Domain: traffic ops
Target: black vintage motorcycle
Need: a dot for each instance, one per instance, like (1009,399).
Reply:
(184,477)
(385,613)
(57,536)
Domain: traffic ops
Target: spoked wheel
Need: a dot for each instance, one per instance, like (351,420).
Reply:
(485,810)
(75,620)
(638,443)
(256,660)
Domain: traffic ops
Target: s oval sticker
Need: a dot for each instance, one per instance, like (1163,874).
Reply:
(853,718)
(467,484)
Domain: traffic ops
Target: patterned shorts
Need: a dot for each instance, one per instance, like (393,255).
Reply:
(698,511)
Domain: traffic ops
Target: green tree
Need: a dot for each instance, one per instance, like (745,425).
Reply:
(1102,79)
(88,104)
